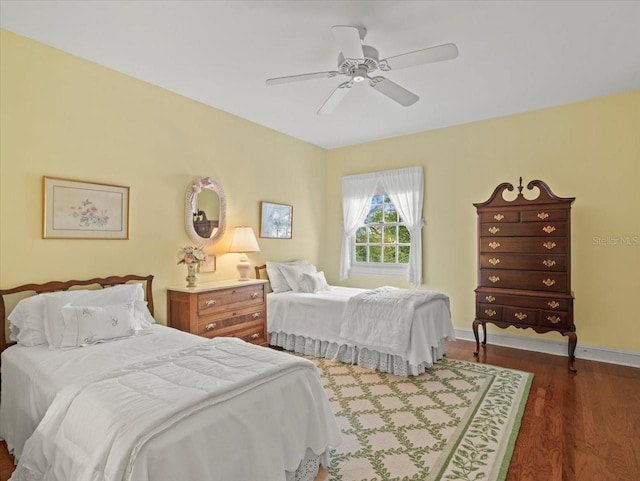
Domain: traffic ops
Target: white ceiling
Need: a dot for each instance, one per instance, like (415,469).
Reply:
(515,56)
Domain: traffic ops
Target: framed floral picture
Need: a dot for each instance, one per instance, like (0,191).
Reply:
(276,220)
(76,209)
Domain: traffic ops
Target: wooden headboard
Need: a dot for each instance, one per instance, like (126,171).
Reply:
(54,286)
(259,269)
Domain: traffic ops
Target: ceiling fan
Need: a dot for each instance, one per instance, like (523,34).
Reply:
(357,61)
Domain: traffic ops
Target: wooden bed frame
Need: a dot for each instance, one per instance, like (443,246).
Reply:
(54,286)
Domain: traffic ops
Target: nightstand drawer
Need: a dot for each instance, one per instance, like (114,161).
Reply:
(222,323)
(223,300)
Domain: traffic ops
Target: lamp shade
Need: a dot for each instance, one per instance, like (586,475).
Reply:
(244,240)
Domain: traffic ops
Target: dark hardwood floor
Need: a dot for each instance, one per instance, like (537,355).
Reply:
(576,427)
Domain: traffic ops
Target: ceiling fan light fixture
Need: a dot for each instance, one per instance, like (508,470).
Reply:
(359,75)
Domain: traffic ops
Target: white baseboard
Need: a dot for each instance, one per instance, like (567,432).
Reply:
(591,353)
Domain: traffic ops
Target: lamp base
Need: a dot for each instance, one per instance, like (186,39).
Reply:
(243,266)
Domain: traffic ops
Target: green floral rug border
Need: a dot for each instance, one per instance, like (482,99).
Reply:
(479,444)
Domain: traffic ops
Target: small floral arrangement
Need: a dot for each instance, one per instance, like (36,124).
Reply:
(191,255)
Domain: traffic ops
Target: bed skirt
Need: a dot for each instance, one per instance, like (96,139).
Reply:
(309,466)
(354,355)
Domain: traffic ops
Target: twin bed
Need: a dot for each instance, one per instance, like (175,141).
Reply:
(160,405)
(319,320)
(157,404)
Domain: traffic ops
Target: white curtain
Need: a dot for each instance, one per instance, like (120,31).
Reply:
(405,188)
(357,191)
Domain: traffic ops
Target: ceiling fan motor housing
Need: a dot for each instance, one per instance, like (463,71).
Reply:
(358,68)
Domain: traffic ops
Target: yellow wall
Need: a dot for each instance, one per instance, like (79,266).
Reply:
(62,116)
(588,150)
(65,117)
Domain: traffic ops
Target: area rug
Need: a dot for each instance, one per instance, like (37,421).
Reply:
(458,421)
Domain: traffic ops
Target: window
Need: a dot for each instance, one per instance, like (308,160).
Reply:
(383,237)
(382,224)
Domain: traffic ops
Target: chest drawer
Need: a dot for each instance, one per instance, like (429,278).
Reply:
(552,303)
(529,245)
(529,280)
(502,216)
(495,229)
(544,215)
(520,315)
(528,262)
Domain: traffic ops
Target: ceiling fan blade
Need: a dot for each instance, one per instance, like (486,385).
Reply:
(305,76)
(447,51)
(348,39)
(393,91)
(335,98)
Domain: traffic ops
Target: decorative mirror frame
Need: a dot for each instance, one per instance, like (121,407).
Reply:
(191,197)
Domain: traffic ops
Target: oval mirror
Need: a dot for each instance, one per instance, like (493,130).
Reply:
(205,208)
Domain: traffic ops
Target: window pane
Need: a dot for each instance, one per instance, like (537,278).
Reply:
(375,214)
(390,213)
(403,235)
(375,254)
(390,254)
(375,235)
(390,234)
(403,254)
(378,199)
(361,254)
(361,235)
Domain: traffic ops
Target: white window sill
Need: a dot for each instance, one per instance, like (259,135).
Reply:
(379,269)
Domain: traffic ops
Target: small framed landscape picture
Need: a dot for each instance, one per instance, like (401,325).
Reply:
(75,209)
(276,220)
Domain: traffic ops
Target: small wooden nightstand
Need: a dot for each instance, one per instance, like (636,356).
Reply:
(225,308)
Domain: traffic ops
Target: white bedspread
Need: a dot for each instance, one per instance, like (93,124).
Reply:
(178,426)
(319,317)
(381,319)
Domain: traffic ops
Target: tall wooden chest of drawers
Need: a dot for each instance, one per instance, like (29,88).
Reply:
(224,308)
(524,263)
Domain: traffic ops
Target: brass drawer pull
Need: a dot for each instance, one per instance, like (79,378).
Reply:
(494,260)
(254,295)
(549,229)
(490,298)
(554,319)
(255,335)
(542,215)
(549,245)
(498,217)
(548,282)
(520,315)
(490,312)
(211,326)
(210,302)
(553,304)
(255,315)
(549,262)
(494,245)
(494,279)
(494,229)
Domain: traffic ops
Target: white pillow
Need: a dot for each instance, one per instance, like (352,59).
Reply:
(313,282)
(293,274)
(86,325)
(26,322)
(122,293)
(276,279)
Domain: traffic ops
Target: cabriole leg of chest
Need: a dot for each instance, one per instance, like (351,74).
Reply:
(573,341)
(476,322)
